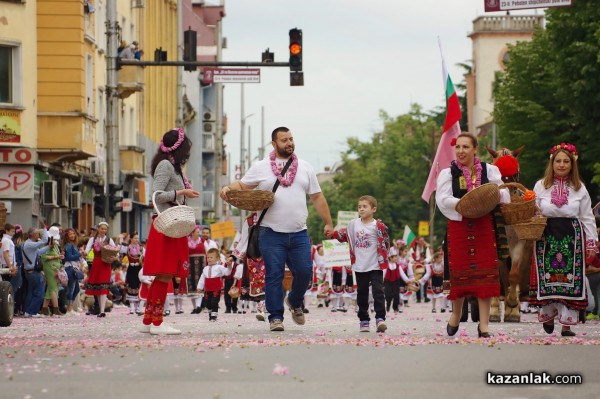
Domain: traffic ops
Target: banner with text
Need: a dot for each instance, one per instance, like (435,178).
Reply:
(344,217)
(222,230)
(16,182)
(506,5)
(231,75)
(336,253)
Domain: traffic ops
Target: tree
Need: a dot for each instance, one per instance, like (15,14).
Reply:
(551,92)
(393,167)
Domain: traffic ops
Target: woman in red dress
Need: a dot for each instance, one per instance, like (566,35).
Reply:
(99,275)
(166,257)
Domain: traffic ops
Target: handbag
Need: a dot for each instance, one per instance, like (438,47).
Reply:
(61,277)
(38,266)
(253,250)
(234,291)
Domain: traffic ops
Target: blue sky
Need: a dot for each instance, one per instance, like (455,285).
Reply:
(360,57)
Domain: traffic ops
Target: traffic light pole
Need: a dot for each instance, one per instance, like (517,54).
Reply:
(112,116)
(203,63)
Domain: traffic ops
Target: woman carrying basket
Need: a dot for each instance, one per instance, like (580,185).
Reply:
(99,277)
(166,257)
(557,282)
(470,244)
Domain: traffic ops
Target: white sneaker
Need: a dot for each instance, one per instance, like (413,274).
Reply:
(163,329)
(145,329)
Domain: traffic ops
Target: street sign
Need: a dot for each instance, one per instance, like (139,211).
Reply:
(336,253)
(506,5)
(231,75)
(423,228)
(344,217)
(126,204)
(222,230)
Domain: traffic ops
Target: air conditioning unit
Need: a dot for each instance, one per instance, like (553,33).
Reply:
(75,200)
(209,127)
(62,193)
(209,116)
(97,167)
(49,193)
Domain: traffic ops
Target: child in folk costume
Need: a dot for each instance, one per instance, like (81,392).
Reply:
(253,281)
(391,282)
(134,256)
(406,274)
(437,281)
(349,296)
(197,259)
(99,276)
(211,282)
(369,244)
(234,279)
(145,282)
(337,288)
(319,265)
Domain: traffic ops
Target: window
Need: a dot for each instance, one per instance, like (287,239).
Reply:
(10,75)
(6,66)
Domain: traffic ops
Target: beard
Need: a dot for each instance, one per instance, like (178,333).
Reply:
(285,152)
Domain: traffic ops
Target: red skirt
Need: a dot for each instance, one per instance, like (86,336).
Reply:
(99,278)
(166,255)
(472,258)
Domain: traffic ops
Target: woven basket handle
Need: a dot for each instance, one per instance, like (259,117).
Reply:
(154,200)
(515,185)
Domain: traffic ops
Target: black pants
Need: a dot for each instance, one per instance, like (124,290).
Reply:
(392,293)
(424,294)
(230,304)
(363,280)
(211,299)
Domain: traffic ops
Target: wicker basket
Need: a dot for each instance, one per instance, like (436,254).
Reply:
(108,252)
(176,222)
(519,210)
(479,201)
(287,280)
(251,200)
(531,230)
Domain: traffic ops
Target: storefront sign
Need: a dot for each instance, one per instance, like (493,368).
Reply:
(15,155)
(10,126)
(16,182)
(506,5)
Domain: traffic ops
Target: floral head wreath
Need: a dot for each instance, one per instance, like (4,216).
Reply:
(180,139)
(564,146)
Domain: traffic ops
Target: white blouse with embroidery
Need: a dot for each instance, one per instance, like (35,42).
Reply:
(578,206)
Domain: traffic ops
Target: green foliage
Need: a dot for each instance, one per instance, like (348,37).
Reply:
(393,167)
(551,92)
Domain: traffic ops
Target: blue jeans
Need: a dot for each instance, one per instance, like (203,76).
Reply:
(73,284)
(36,289)
(16,280)
(279,249)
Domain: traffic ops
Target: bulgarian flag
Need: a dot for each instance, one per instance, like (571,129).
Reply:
(445,151)
(408,236)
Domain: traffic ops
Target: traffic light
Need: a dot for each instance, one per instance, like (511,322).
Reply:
(114,199)
(189,48)
(296,50)
(100,205)
(296,74)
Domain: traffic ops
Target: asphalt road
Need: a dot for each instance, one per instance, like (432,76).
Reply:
(237,357)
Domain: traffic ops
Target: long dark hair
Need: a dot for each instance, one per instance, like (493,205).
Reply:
(179,156)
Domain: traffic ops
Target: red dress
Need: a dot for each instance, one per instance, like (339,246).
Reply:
(99,278)
(165,255)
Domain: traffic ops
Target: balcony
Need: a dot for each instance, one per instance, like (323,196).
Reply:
(507,23)
(66,136)
(131,80)
(133,160)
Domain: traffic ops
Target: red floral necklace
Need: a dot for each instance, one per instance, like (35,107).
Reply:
(289,177)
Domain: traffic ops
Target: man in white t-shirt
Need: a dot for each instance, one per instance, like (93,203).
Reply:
(283,235)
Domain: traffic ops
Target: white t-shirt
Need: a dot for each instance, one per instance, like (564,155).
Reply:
(289,211)
(8,246)
(364,243)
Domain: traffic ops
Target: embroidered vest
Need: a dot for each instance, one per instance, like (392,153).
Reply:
(457,192)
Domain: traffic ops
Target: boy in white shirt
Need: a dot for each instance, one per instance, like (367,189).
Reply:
(369,244)
(211,282)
